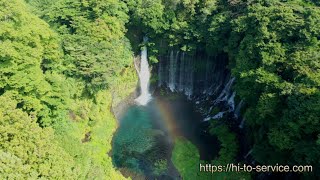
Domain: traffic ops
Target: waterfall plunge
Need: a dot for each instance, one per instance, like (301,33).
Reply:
(173,71)
(144,76)
(177,72)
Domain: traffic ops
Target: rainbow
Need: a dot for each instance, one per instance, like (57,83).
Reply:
(168,118)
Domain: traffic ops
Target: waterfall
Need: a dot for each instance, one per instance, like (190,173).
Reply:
(173,70)
(160,73)
(219,115)
(207,75)
(238,108)
(182,72)
(176,71)
(203,79)
(195,75)
(188,90)
(171,73)
(144,76)
(225,92)
(231,101)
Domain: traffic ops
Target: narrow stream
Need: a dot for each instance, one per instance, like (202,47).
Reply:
(143,143)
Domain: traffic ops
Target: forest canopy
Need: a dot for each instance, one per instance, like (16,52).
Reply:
(57,79)
(65,63)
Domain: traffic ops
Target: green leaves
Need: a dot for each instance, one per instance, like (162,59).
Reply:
(63,79)
(31,148)
(28,49)
(92,32)
(277,69)
(186,158)
(60,81)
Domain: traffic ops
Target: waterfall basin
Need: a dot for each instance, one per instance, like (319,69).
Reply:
(146,134)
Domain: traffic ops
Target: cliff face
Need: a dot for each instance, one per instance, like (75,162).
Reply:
(207,82)
(204,79)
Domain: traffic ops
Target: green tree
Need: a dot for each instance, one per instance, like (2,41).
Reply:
(276,62)
(93,42)
(186,158)
(28,49)
(28,151)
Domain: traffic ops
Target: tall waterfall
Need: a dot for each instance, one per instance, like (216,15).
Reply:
(182,72)
(176,72)
(189,79)
(196,74)
(160,76)
(173,70)
(204,79)
(144,76)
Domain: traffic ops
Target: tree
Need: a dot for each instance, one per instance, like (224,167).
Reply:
(277,66)
(28,151)
(186,158)
(92,33)
(28,49)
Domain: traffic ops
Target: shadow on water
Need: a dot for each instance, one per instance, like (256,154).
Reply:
(143,143)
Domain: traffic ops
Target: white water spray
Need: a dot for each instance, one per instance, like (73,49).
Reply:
(173,70)
(144,76)
(182,72)
(231,101)
(225,93)
(238,108)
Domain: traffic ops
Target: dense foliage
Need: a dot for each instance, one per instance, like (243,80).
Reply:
(93,40)
(57,88)
(65,63)
(186,158)
(277,66)
(273,48)
(28,151)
